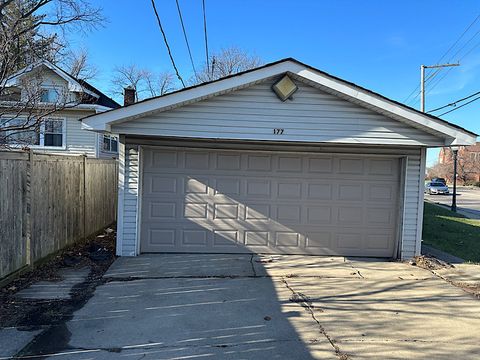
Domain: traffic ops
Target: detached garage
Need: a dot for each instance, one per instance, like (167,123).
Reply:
(280,159)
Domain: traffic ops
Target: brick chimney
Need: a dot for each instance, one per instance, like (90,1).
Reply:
(129,95)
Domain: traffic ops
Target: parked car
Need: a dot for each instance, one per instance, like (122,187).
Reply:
(435,187)
(439,180)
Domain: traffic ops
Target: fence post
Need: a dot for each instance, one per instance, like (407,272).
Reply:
(28,205)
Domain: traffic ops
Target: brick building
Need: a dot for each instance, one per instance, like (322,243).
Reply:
(469,160)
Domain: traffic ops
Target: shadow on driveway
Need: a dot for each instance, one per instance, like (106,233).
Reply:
(184,306)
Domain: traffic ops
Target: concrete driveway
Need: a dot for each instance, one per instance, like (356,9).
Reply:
(468,200)
(177,306)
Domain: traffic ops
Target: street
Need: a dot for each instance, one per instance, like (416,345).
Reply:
(468,200)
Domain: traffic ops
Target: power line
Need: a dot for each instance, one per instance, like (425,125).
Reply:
(458,52)
(458,107)
(166,43)
(439,80)
(186,38)
(460,37)
(435,73)
(454,103)
(205,32)
(448,71)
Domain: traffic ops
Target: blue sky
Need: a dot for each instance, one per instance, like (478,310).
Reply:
(376,44)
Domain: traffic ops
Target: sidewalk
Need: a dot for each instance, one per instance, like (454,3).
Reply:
(468,213)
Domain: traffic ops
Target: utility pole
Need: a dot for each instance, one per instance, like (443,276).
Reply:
(422,80)
(422,109)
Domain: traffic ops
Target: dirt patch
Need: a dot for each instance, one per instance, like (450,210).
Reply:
(429,263)
(97,254)
(432,264)
(473,289)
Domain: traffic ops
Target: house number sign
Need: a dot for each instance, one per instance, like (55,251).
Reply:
(278,131)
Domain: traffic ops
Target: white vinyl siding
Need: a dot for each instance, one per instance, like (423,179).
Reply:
(79,141)
(253,114)
(413,205)
(129,193)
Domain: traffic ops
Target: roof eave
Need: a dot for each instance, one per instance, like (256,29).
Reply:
(452,134)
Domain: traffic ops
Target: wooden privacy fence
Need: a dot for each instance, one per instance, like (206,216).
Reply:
(50,201)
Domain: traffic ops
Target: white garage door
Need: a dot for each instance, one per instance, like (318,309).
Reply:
(223,201)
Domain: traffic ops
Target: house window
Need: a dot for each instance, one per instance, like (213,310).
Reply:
(50,95)
(110,143)
(49,133)
(53,133)
(29,136)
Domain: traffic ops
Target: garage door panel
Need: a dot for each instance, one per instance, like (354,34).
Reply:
(382,192)
(262,163)
(196,160)
(288,214)
(383,167)
(228,238)
(161,185)
(320,164)
(228,162)
(318,239)
(255,238)
(349,215)
(257,212)
(196,185)
(194,237)
(289,190)
(259,188)
(163,160)
(318,215)
(320,191)
(162,237)
(227,201)
(350,192)
(380,217)
(290,163)
(195,211)
(160,210)
(287,239)
(351,166)
(226,211)
(227,186)
(379,242)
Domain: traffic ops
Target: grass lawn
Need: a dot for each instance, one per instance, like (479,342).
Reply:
(451,232)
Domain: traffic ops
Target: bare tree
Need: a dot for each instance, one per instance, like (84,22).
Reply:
(79,66)
(440,170)
(226,62)
(159,84)
(32,31)
(142,80)
(127,75)
(468,164)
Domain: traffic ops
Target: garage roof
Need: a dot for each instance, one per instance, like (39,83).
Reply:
(314,77)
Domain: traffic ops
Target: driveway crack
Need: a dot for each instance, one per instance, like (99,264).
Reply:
(307,304)
(357,271)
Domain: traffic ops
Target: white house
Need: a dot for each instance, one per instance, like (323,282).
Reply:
(61,132)
(283,158)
